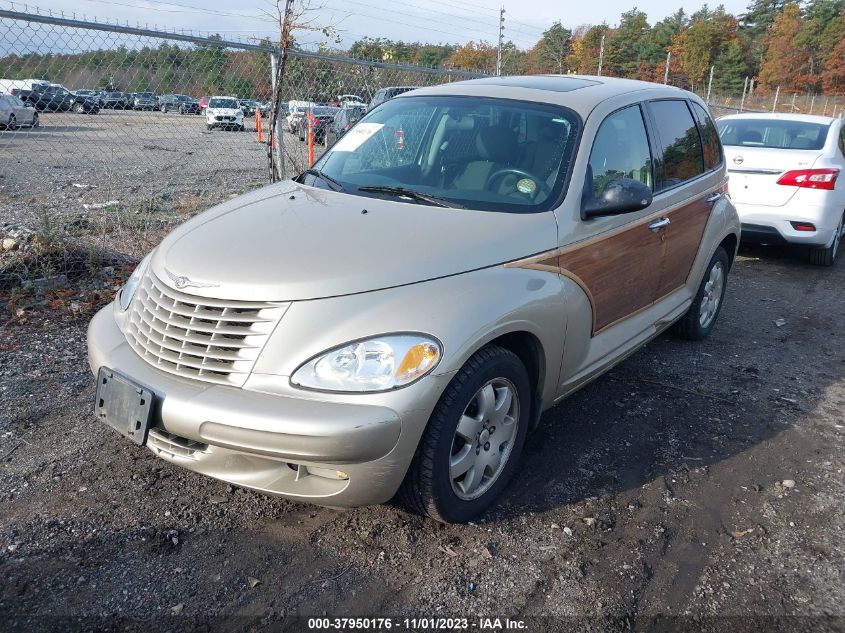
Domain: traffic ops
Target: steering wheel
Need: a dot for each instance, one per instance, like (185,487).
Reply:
(542,186)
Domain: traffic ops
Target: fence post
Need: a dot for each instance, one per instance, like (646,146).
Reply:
(812,103)
(775,103)
(744,89)
(709,85)
(277,148)
(793,102)
(666,70)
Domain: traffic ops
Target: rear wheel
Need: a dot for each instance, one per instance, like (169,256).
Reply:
(699,320)
(209,127)
(35,121)
(13,123)
(78,108)
(471,446)
(826,256)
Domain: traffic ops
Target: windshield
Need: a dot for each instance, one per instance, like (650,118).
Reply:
(324,111)
(223,103)
(479,153)
(182,98)
(115,94)
(772,133)
(145,95)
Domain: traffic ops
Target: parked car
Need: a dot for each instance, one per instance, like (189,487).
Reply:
(180,103)
(343,121)
(115,100)
(55,98)
(15,113)
(785,180)
(409,306)
(143,101)
(322,118)
(296,114)
(386,94)
(191,106)
(225,113)
(248,106)
(91,94)
(203,103)
(8,85)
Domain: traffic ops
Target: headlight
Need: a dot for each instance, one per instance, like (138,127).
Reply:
(131,285)
(376,364)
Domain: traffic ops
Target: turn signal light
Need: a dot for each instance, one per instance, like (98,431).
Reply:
(810,178)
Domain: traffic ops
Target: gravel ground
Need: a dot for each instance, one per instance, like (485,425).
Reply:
(693,480)
(692,483)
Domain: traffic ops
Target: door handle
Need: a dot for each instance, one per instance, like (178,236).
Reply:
(713,197)
(659,224)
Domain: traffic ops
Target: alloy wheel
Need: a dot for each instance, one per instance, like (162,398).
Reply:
(712,295)
(484,439)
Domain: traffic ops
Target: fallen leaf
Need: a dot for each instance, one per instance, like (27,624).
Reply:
(253,582)
(740,533)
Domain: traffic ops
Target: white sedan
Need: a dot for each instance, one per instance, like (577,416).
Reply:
(224,112)
(785,179)
(14,113)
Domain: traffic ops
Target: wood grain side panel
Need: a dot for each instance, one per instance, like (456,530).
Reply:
(683,239)
(621,271)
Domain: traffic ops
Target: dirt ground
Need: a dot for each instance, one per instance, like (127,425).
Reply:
(696,486)
(700,480)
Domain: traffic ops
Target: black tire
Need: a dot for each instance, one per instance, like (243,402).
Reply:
(35,121)
(690,326)
(209,127)
(13,123)
(78,108)
(428,488)
(164,109)
(242,128)
(826,256)
(182,110)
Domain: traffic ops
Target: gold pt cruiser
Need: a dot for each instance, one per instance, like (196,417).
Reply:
(395,319)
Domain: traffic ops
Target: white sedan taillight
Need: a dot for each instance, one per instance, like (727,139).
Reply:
(810,178)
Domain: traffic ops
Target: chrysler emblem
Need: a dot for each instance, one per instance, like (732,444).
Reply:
(180,281)
(738,160)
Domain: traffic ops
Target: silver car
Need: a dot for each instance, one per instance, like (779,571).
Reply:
(15,113)
(396,318)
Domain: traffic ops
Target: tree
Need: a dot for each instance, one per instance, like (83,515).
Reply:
(833,77)
(628,43)
(785,63)
(584,55)
(474,56)
(550,53)
(730,69)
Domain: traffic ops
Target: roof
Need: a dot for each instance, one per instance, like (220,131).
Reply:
(579,92)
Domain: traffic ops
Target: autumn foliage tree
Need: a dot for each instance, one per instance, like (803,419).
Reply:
(786,64)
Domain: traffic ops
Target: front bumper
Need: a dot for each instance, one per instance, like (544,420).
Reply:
(326,452)
(772,225)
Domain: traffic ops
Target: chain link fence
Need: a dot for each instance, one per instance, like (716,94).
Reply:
(129,131)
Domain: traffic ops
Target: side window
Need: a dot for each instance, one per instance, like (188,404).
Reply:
(620,150)
(709,138)
(842,140)
(679,142)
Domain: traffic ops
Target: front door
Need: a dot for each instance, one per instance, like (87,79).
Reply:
(620,267)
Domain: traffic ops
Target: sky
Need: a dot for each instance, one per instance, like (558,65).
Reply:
(412,20)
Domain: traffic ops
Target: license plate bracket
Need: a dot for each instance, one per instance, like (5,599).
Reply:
(124,405)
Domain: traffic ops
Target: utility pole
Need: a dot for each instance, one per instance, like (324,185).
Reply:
(501,42)
(666,70)
(709,85)
(601,54)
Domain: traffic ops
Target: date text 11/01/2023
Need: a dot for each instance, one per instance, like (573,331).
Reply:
(416,624)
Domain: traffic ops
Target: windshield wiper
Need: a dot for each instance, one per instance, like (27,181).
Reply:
(410,193)
(335,185)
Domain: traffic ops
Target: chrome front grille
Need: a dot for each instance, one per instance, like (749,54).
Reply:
(212,340)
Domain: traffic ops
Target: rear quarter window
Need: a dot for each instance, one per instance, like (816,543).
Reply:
(712,147)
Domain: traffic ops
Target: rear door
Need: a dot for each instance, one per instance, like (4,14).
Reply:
(760,151)
(686,173)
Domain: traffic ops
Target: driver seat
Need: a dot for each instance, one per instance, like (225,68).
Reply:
(495,148)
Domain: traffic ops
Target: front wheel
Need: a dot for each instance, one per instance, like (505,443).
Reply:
(35,121)
(78,108)
(472,443)
(699,320)
(13,123)
(826,256)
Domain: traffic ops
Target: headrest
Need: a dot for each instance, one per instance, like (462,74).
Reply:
(496,144)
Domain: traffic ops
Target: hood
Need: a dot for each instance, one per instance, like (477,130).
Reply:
(288,242)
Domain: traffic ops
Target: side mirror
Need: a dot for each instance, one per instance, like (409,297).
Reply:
(623,195)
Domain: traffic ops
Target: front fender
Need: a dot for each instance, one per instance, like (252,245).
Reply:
(464,312)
